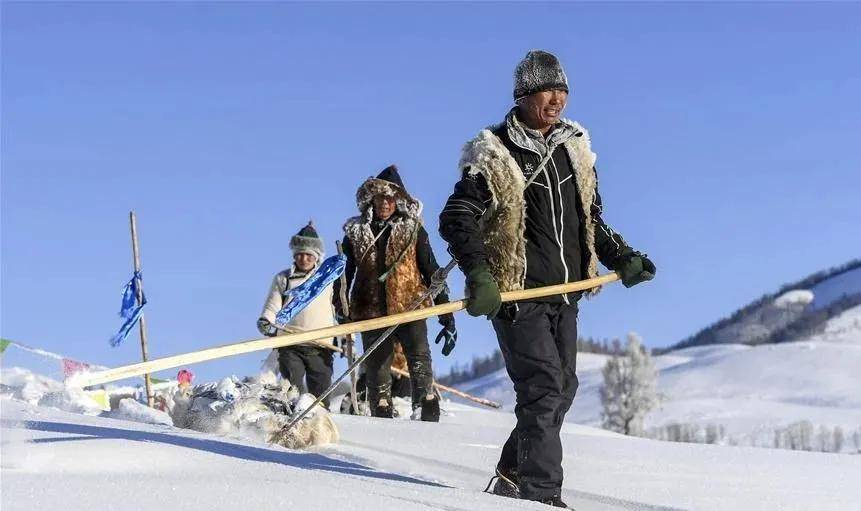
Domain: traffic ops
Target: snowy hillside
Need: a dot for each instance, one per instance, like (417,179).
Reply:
(58,460)
(798,310)
(749,390)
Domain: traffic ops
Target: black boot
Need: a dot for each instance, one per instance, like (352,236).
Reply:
(430,410)
(555,501)
(505,483)
(383,410)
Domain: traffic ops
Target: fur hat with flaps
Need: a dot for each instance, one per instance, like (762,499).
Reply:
(388,183)
(307,241)
(538,71)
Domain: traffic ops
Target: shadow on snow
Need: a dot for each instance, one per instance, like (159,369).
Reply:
(307,461)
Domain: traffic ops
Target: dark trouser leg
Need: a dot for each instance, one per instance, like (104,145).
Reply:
(378,376)
(292,367)
(414,338)
(318,363)
(539,344)
(565,332)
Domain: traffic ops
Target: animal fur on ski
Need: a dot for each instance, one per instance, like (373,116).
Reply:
(404,283)
(256,409)
(506,218)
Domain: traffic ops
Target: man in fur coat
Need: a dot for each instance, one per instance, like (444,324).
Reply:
(526,213)
(389,266)
(298,362)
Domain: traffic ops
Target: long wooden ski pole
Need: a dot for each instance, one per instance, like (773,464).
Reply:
(142,321)
(266,343)
(349,342)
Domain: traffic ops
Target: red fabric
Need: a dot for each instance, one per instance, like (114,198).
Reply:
(71,367)
(184,376)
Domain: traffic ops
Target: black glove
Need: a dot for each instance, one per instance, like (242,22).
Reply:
(449,334)
(484,296)
(634,268)
(266,328)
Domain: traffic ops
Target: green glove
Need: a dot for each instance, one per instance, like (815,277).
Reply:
(634,268)
(484,296)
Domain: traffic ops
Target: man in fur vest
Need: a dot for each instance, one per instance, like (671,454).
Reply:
(526,213)
(389,266)
(298,362)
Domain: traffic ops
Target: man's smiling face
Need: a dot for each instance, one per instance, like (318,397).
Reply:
(543,109)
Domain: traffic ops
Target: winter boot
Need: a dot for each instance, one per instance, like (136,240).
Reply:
(383,409)
(430,409)
(505,484)
(555,501)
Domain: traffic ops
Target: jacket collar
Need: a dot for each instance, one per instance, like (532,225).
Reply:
(532,140)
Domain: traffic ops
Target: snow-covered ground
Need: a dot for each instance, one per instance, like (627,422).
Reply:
(53,459)
(751,391)
(56,454)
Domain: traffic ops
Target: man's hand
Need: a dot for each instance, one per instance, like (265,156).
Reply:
(266,328)
(634,268)
(448,333)
(484,296)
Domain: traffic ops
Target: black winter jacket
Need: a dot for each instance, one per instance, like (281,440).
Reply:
(554,221)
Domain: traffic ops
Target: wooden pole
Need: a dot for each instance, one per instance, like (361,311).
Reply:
(142,321)
(119,373)
(349,342)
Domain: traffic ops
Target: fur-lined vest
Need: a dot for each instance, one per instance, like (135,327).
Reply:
(505,219)
(402,284)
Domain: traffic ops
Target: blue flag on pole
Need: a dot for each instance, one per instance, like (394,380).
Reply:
(129,310)
(306,292)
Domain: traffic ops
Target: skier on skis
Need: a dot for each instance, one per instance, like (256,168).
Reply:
(295,363)
(526,213)
(389,266)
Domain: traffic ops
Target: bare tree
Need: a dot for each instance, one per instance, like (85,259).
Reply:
(630,388)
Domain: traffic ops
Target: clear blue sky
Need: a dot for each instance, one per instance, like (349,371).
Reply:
(727,137)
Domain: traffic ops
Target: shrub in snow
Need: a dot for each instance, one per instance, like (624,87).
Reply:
(802,436)
(689,433)
(630,389)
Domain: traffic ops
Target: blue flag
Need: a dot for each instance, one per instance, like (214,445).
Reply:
(129,310)
(306,292)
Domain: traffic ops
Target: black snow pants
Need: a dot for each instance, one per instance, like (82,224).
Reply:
(539,344)
(297,362)
(414,339)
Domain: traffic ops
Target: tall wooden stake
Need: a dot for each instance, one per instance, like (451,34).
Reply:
(142,322)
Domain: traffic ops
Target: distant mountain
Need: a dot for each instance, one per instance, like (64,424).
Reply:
(796,311)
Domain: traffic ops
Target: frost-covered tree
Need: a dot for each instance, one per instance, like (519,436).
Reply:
(630,388)
(823,439)
(838,439)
